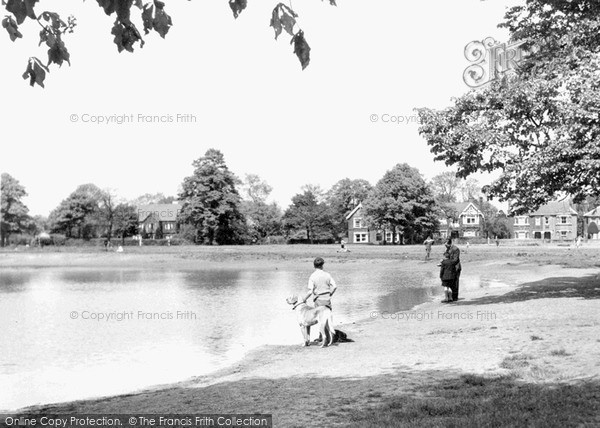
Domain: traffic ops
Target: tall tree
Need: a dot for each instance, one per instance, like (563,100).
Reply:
(539,127)
(263,219)
(402,201)
(445,187)
(342,198)
(79,212)
(211,202)
(310,214)
(125,220)
(14,216)
(470,189)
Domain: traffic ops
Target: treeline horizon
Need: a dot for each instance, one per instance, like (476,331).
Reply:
(217,207)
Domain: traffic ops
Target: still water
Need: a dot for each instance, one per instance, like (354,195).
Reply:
(70,333)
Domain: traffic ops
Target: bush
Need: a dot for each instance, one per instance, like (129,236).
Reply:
(275,240)
(187,232)
(20,239)
(58,239)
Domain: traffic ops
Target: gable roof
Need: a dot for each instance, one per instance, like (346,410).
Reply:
(555,208)
(593,213)
(356,208)
(461,207)
(162,212)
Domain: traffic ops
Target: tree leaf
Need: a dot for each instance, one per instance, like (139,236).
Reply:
(301,48)
(35,72)
(11,27)
(126,35)
(162,22)
(237,6)
(147,16)
(283,18)
(58,53)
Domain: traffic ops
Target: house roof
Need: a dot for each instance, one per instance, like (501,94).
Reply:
(555,208)
(593,213)
(356,208)
(162,212)
(460,207)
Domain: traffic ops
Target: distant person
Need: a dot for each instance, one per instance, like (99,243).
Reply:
(497,241)
(467,246)
(578,242)
(452,258)
(343,248)
(321,286)
(428,243)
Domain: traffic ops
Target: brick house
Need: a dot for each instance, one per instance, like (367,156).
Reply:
(591,224)
(153,217)
(555,220)
(360,233)
(461,220)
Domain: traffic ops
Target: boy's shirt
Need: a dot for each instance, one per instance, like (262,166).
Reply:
(321,282)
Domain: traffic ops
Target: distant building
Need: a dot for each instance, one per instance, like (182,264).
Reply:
(461,220)
(553,221)
(360,233)
(591,223)
(153,217)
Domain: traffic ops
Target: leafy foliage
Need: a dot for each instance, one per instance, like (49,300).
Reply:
(79,214)
(126,35)
(402,201)
(14,216)
(540,127)
(12,28)
(211,202)
(309,214)
(237,6)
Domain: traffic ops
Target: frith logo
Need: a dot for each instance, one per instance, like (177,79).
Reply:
(491,59)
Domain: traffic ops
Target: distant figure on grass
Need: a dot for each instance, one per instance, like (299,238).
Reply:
(578,242)
(321,286)
(497,241)
(452,261)
(428,243)
(343,248)
(448,277)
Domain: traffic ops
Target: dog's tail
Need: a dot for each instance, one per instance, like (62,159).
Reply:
(329,327)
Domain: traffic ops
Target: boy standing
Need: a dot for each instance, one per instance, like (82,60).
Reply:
(448,276)
(321,285)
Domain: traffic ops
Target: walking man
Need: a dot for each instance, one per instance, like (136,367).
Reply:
(452,258)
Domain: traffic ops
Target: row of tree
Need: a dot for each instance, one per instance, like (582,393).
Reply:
(219,208)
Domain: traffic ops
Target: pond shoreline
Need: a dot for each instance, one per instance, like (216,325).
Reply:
(550,323)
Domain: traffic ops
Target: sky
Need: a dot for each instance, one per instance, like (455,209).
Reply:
(350,113)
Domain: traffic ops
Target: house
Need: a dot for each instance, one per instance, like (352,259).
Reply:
(461,220)
(591,223)
(555,220)
(153,217)
(360,233)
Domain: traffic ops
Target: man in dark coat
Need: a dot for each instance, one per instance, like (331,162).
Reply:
(452,258)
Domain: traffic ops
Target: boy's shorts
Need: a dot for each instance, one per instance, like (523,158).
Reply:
(323,302)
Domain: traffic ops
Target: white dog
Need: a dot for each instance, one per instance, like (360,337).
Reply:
(308,316)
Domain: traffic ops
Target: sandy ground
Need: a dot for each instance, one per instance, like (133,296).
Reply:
(540,324)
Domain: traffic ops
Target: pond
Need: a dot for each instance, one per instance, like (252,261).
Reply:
(71,333)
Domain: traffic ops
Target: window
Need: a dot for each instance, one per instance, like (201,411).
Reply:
(361,237)
(563,233)
(471,220)
(521,221)
(168,226)
(358,223)
(388,236)
(547,220)
(563,220)
(538,221)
